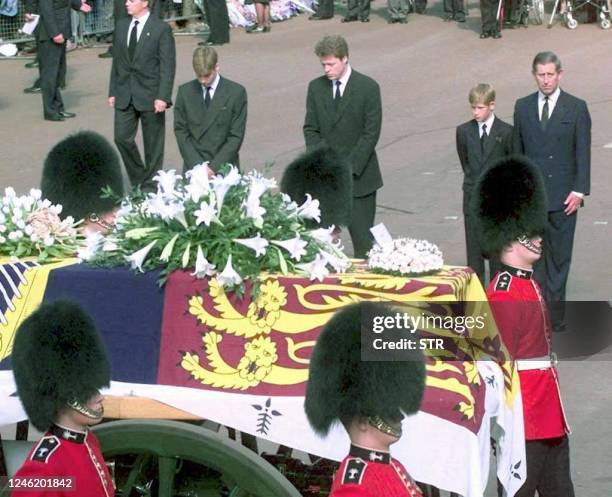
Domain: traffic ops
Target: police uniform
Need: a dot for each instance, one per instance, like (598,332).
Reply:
(72,464)
(371,473)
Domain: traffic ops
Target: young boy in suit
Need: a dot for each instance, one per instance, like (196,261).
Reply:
(480,143)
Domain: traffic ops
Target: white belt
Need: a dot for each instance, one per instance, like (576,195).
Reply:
(545,362)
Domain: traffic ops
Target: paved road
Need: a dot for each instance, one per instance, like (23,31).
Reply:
(425,69)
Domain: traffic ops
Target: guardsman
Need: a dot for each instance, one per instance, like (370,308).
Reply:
(369,398)
(510,206)
(60,363)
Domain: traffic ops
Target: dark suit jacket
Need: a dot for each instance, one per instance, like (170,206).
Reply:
(352,130)
(473,161)
(150,75)
(563,151)
(214,134)
(54,18)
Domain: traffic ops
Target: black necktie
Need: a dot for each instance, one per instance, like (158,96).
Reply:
(133,40)
(483,137)
(337,95)
(544,119)
(207,97)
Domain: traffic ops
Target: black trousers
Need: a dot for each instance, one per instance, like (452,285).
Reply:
(362,219)
(475,257)
(358,8)
(488,12)
(553,268)
(325,8)
(52,64)
(153,134)
(454,7)
(217,19)
(548,469)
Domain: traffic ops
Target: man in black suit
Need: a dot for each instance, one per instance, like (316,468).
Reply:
(209,115)
(141,82)
(52,32)
(344,111)
(553,128)
(480,143)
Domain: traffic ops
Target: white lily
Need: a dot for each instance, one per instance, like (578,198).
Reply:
(257,243)
(167,251)
(323,234)
(340,264)
(137,259)
(295,246)
(199,184)
(229,277)
(166,182)
(221,185)
(310,209)
(206,213)
(203,268)
(160,206)
(290,205)
(316,270)
(93,243)
(35,193)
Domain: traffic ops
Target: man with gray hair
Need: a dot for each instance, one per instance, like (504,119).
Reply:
(209,115)
(344,111)
(553,128)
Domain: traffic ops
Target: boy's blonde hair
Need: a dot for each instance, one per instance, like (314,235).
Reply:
(483,93)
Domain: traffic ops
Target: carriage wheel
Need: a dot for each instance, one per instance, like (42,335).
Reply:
(538,11)
(163,458)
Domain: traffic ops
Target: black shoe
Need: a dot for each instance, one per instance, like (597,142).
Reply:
(485,34)
(106,55)
(67,115)
(560,327)
(496,35)
(348,19)
(460,18)
(403,21)
(448,17)
(365,19)
(317,17)
(32,89)
(32,65)
(209,44)
(54,117)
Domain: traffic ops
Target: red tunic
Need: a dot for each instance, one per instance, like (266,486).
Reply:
(369,473)
(524,323)
(62,454)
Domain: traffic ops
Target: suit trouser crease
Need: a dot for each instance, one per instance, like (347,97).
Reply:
(52,62)
(217,19)
(488,9)
(552,271)
(153,134)
(362,219)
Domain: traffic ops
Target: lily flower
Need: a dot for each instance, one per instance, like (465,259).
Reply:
(137,259)
(257,243)
(199,185)
(340,264)
(221,185)
(203,268)
(206,213)
(324,235)
(316,270)
(229,277)
(166,182)
(310,209)
(167,251)
(295,246)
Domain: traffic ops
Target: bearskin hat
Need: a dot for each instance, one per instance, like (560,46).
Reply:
(328,178)
(509,201)
(58,356)
(75,172)
(342,386)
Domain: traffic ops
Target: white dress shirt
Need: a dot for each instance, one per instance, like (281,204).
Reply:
(552,101)
(213,87)
(141,22)
(343,81)
(489,123)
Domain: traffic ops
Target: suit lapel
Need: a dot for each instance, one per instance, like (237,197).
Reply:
(534,114)
(474,137)
(348,91)
(144,35)
(216,104)
(557,114)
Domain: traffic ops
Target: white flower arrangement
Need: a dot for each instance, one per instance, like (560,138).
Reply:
(30,226)
(231,227)
(405,257)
